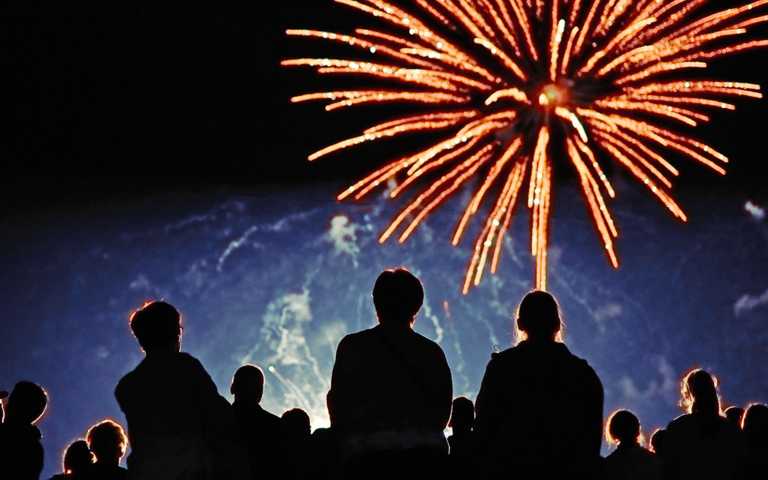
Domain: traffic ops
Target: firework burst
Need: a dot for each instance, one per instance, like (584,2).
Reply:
(517,84)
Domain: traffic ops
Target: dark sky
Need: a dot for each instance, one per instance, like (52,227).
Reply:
(106,99)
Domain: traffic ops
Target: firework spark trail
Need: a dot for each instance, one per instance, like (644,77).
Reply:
(541,83)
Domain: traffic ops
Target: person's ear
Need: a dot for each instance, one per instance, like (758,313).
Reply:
(522,324)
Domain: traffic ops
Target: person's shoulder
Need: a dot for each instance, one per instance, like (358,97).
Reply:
(126,385)
(428,342)
(268,419)
(681,422)
(189,363)
(505,357)
(355,339)
(578,363)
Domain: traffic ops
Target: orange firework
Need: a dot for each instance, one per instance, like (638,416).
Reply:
(505,77)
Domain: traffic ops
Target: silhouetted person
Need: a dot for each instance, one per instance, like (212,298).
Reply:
(261,433)
(298,431)
(734,414)
(21,454)
(539,412)
(462,452)
(630,461)
(298,426)
(657,441)
(178,424)
(76,459)
(702,443)
(755,428)
(391,389)
(107,441)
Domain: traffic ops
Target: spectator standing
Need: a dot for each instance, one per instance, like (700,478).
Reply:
(178,424)
(702,443)
(391,389)
(630,460)
(77,458)
(258,431)
(107,441)
(539,412)
(21,454)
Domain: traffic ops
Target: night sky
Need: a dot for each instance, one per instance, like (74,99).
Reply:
(111,103)
(119,98)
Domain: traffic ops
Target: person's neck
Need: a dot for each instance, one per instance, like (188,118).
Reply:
(540,341)
(625,445)
(115,461)
(162,351)
(246,400)
(396,324)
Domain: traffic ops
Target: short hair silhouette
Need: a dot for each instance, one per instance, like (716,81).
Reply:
(622,428)
(77,457)
(734,414)
(297,422)
(657,441)
(538,318)
(699,393)
(248,382)
(397,296)
(755,425)
(156,324)
(462,414)
(27,403)
(107,441)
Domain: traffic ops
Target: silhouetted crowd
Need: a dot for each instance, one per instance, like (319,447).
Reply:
(538,414)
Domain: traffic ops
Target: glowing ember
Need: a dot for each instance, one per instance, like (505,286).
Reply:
(507,76)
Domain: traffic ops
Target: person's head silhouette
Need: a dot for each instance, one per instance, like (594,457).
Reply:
(462,416)
(734,414)
(157,326)
(623,429)
(26,404)
(538,318)
(657,441)
(77,457)
(755,426)
(297,423)
(699,392)
(248,384)
(397,296)
(107,442)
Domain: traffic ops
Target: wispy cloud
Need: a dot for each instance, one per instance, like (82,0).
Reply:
(748,302)
(344,237)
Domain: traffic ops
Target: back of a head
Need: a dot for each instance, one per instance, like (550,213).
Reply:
(734,414)
(107,441)
(77,457)
(297,422)
(462,414)
(248,383)
(397,296)
(755,425)
(699,392)
(538,318)
(622,428)
(155,325)
(26,404)
(657,441)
